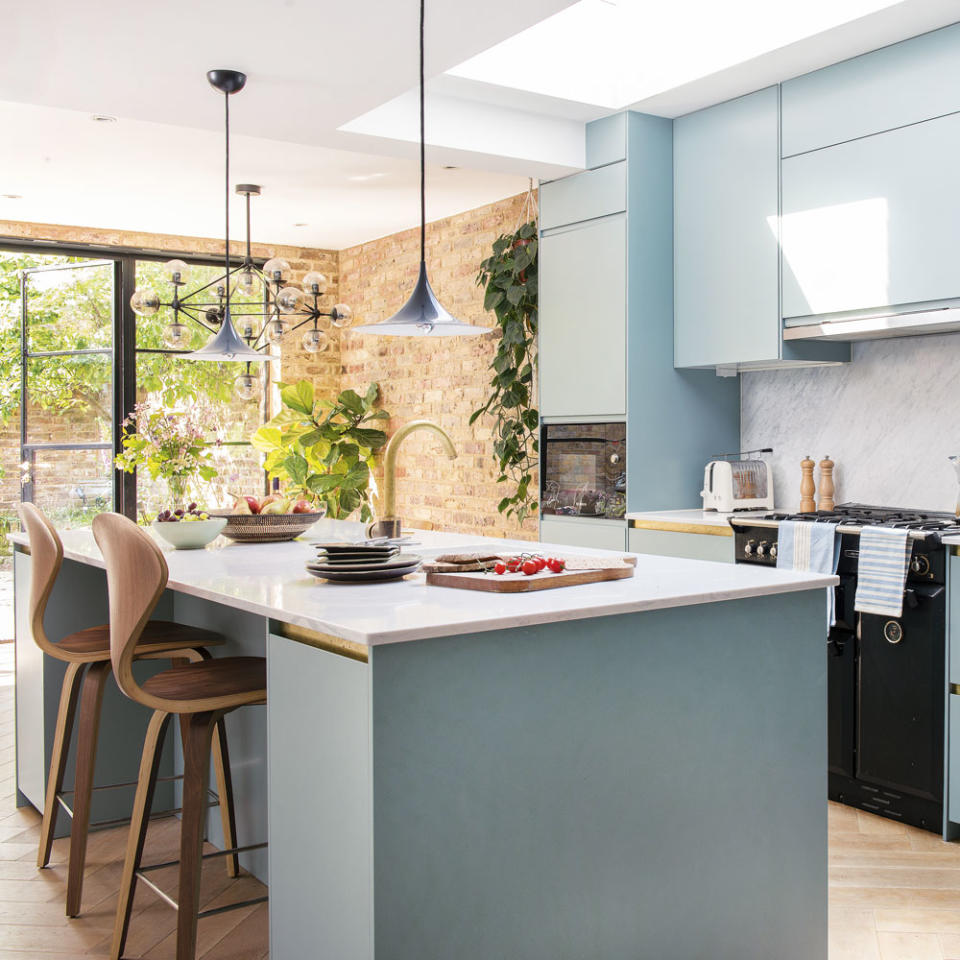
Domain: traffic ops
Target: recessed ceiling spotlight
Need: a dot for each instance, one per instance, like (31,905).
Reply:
(450,166)
(301,224)
(11,196)
(103,118)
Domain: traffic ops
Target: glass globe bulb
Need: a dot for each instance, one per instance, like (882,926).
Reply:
(177,270)
(210,316)
(342,315)
(274,266)
(245,328)
(175,334)
(246,281)
(315,341)
(247,386)
(289,299)
(145,302)
(276,330)
(315,279)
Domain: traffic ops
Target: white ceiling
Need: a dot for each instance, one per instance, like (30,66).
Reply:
(328,121)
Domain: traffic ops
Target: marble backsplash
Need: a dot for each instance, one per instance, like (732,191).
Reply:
(889,420)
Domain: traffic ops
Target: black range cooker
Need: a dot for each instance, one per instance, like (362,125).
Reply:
(885,676)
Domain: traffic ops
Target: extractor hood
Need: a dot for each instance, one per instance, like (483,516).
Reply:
(912,322)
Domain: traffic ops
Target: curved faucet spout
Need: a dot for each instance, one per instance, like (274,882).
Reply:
(390,459)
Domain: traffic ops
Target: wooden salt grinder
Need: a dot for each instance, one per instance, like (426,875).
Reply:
(807,486)
(826,484)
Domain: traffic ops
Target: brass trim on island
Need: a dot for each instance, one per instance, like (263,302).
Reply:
(322,641)
(679,526)
(955,688)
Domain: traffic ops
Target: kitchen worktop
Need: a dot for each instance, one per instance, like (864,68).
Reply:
(708,522)
(270,580)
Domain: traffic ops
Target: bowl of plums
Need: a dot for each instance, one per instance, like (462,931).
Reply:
(268,519)
(188,528)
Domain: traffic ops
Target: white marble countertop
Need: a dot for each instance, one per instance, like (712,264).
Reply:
(952,541)
(270,580)
(689,521)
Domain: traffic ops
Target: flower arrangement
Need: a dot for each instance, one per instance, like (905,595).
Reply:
(170,445)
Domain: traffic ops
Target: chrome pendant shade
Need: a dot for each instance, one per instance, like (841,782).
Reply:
(422,315)
(228,345)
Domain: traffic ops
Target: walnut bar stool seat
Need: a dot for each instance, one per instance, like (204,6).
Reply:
(87,655)
(199,694)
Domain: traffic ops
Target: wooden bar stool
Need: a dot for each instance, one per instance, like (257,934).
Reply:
(200,694)
(87,655)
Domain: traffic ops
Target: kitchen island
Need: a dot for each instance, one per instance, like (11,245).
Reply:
(617,770)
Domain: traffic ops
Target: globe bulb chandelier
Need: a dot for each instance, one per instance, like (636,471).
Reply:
(241,331)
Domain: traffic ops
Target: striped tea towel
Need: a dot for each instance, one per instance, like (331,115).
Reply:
(812,547)
(882,570)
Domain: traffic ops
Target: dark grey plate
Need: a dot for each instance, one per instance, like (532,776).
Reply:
(345,558)
(363,576)
(404,560)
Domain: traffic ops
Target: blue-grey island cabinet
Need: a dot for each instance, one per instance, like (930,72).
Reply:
(617,770)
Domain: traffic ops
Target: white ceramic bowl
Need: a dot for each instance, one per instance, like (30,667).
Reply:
(189,534)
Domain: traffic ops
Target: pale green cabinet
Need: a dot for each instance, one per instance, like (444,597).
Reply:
(726,173)
(675,543)
(905,83)
(583,320)
(874,222)
(580,532)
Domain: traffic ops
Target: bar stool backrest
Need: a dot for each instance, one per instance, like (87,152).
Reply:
(46,558)
(136,577)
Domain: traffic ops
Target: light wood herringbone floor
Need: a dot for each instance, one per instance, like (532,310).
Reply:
(32,921)
(894,891)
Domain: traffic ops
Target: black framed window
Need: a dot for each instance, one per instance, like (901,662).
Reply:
(76,360)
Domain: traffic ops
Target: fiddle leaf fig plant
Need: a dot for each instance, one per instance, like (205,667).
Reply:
(509,275)
(322,450)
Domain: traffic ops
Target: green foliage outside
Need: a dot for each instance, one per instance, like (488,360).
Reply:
(322,450)
(510,277)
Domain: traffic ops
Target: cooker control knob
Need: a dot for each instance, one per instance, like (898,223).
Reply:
(920,564)
(749,548)
(762,549)
(773,550)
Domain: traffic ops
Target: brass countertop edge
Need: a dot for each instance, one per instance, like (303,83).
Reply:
(679,526)
(323,641)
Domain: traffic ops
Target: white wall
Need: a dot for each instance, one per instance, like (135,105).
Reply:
(889,420)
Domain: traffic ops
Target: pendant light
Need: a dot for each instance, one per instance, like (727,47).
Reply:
(227,344)
(423,314)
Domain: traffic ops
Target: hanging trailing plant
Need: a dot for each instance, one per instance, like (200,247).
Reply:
(510,278)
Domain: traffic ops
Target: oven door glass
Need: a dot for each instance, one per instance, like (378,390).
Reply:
(584,470)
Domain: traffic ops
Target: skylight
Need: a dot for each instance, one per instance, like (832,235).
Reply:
(613,53)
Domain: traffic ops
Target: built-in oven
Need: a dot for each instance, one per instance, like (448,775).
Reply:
(583,470)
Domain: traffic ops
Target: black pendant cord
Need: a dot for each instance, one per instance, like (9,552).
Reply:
(226,193)
(423,155)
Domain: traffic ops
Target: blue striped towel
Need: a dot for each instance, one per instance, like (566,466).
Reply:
(812,547)
(882,570)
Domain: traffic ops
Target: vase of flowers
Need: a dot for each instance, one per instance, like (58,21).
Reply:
(171,445)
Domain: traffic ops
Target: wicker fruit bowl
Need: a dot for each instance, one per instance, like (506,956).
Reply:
(265,527)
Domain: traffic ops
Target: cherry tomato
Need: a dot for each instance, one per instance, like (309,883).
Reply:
(500,568)
(556,566)
(530,567)
(541,563)
(513,565)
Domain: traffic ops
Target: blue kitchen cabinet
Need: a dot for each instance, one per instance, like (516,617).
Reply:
(873,222)
(908,82)
(583,321)
(726,176)
(673,543)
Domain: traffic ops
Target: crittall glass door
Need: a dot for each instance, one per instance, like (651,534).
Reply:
(67,408)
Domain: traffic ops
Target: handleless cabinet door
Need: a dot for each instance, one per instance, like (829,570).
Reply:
(874,222)
(583,322)
(726,258)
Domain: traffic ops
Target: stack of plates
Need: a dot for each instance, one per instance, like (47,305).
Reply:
(357,563)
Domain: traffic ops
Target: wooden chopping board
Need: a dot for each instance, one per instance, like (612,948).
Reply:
(520,583)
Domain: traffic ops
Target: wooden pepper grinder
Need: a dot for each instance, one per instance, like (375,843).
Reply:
(807,486)
(826,484)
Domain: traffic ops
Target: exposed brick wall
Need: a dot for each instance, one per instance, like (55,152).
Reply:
(442,379)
